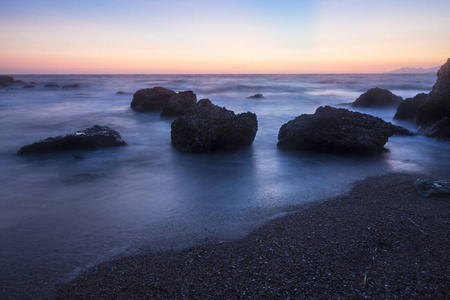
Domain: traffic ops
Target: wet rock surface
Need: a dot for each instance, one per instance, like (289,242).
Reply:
(91,138)
(207,127)
(377,98)
(430,188)
(335,130)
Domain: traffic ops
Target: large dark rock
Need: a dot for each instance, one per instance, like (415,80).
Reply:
(207,127)
(92,138)
(335,130)
(438,105)
(407,110)
(377,98)
(153,99)
(179,103)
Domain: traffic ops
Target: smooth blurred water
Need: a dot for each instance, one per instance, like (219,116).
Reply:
(59,215)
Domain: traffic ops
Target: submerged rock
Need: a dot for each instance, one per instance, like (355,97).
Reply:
(398,130)
(407,110)
(207,127)
(335,130)
(438,105)
(377,98)
(92,138)
(28,86)
(51,86)
(428,188)
(179,103)
(71,86)
(256,96)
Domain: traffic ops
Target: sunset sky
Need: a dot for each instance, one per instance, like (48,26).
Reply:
(232,36)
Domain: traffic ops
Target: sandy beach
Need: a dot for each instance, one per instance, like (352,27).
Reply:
(380,241)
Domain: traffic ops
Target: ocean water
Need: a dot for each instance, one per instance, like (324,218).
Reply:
(60,216)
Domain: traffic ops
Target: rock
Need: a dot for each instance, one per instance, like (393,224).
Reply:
(92,138)
(153,99)
(51,86)
(438,105)
(335,130)
(207,127)
(398,130)
(28,86)
(71,86)
(256,96)
(440,129)
(122,93)
(6,79)
(407,110)
(179,103)
(428,188)
(377,98)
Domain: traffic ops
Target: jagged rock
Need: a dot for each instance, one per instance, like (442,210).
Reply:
(179,103)
(51,86)
(256,96)
(335,130)
(438,105)
(153,99)
(207,127)
(92,138)
(407,110)
(428,188)
(377,98)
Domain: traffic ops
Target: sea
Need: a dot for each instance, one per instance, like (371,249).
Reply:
(60,216)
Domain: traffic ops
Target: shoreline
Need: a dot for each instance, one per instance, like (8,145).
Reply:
(380,240)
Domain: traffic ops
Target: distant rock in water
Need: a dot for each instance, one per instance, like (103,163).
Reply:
(92,138)
(28,86)
(207,127)
(6,79)
(161,99)
(335,130)
(407,110)
(179,103)
(122,93)
(153,99)
(71,86)
(438,105)
(51,86)
(377,98)
(256,96)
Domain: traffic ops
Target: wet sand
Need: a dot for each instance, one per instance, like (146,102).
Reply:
(381,240)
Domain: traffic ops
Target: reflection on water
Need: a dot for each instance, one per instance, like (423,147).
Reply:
(62,215)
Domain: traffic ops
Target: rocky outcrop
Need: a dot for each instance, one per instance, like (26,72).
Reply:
(256,96)
(92,138)
(407,110)
(335,130)
(440,129)
(5,80)
(179,103)
(438,105)
(207,127)
(377,98)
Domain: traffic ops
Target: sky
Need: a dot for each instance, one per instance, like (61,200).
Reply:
(230,36)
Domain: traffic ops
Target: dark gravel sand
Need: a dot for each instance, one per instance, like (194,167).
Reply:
(380,241)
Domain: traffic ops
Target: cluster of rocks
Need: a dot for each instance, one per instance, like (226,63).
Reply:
(10,82)
(431,112)
(205,127)
(168,102)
